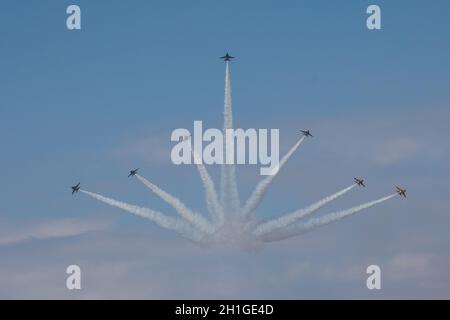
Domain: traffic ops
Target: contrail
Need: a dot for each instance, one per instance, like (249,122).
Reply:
(175,224)
(212,199)
(194,218)
(229,190)
(261,188)
(229,221)
(299,228)
(292,217)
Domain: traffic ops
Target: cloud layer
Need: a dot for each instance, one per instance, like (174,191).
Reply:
(409,239)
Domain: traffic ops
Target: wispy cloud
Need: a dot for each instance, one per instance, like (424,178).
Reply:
(395,150)
(11,234)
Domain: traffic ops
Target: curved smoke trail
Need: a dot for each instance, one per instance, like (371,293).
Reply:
(175,224)
(292,217)
(212,199)
(261,188)
(229,190)
(194,218)
(300,228)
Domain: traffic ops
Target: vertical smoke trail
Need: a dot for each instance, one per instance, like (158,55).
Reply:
(292,217)
(160,219)
(194,218)
(227,123)
(299,228)
(229,190)
(212,199)
(261,188)
(223,187)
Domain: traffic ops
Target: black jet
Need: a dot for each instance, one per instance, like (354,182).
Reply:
(401,192)
(227,57)
(306,133)
(359,182)
(133,172)
(75,188)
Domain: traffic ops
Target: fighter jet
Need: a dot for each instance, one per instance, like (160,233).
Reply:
(75,188)
(401,192)
(306,133)
(227,57)
(359,182)
(133,172)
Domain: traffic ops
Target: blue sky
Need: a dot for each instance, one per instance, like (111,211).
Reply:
(88,105)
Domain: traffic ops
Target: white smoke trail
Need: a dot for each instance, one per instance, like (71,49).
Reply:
(223,186)
(212,199)
(261,188)
(175,224)
(300,228)
(292,217)
(194,218)
(229,190)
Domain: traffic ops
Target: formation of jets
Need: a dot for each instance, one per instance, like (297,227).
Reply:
(133,172)
(359,182)
(75,188)
(306,133)
(227,57)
